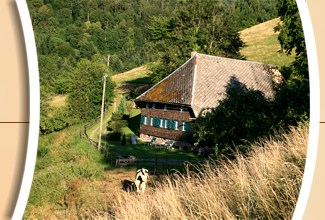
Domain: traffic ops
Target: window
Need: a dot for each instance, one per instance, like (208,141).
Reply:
(144,119)
(182,109)
(153,105)
(165,107)
(176,125)
(155,121)
(147,105)
(161,123)
(166,123)
(170,124)
(186,126)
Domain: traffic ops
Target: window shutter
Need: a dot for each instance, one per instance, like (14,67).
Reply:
(156,122)
(170,125)
(142,119)
(187,127)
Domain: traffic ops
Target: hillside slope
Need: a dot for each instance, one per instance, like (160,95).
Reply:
(264,185)
(262,44)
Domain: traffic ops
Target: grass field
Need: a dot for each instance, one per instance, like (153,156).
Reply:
(264,185)
(262,44)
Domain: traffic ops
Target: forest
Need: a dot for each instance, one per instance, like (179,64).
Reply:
(75,37)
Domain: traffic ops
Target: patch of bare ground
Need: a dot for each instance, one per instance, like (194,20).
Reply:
(58,101)
(120,180)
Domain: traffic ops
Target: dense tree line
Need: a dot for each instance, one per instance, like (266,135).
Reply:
(77,35)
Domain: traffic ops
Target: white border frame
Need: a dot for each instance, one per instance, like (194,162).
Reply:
(34,102)
(314,118)
(34,109)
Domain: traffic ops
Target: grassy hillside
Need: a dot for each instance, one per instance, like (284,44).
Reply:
(134,76)
(262,44)
(264,185)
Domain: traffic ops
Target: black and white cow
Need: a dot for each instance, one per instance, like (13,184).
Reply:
(141,178)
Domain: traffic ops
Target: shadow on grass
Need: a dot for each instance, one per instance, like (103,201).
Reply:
(150,157)
(142,80)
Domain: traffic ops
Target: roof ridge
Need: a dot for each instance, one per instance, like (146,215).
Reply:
(157,84)
(194,75)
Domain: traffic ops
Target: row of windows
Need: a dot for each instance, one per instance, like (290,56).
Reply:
(153,106)
(169,124)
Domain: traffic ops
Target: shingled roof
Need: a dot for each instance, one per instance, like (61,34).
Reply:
(201,81)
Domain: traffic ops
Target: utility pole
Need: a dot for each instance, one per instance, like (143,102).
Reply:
(102,113)
(102,109)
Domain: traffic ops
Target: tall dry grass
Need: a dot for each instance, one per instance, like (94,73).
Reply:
(264,185)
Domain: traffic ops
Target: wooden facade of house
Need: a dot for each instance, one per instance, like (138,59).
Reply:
(170,107)
(166,121)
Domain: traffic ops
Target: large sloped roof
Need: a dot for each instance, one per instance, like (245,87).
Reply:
(201,81)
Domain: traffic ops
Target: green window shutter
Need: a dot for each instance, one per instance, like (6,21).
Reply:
(187,127)
(170,125)
(156,122)
(142,119)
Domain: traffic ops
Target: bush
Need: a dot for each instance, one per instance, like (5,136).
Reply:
(244,116)
(114,136)
(117,125)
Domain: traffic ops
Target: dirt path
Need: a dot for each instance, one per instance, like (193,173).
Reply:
(92,134)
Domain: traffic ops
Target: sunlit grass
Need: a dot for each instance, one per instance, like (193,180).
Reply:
(137,75)
(265,185)
(262,44)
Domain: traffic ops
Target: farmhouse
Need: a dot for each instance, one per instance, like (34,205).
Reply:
(170,107)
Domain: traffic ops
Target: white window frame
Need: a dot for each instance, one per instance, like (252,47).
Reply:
(176,125)
(151,121)
(161,123)
(145,120)
(183,125)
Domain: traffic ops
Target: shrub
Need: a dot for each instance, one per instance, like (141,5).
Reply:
(114,136)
